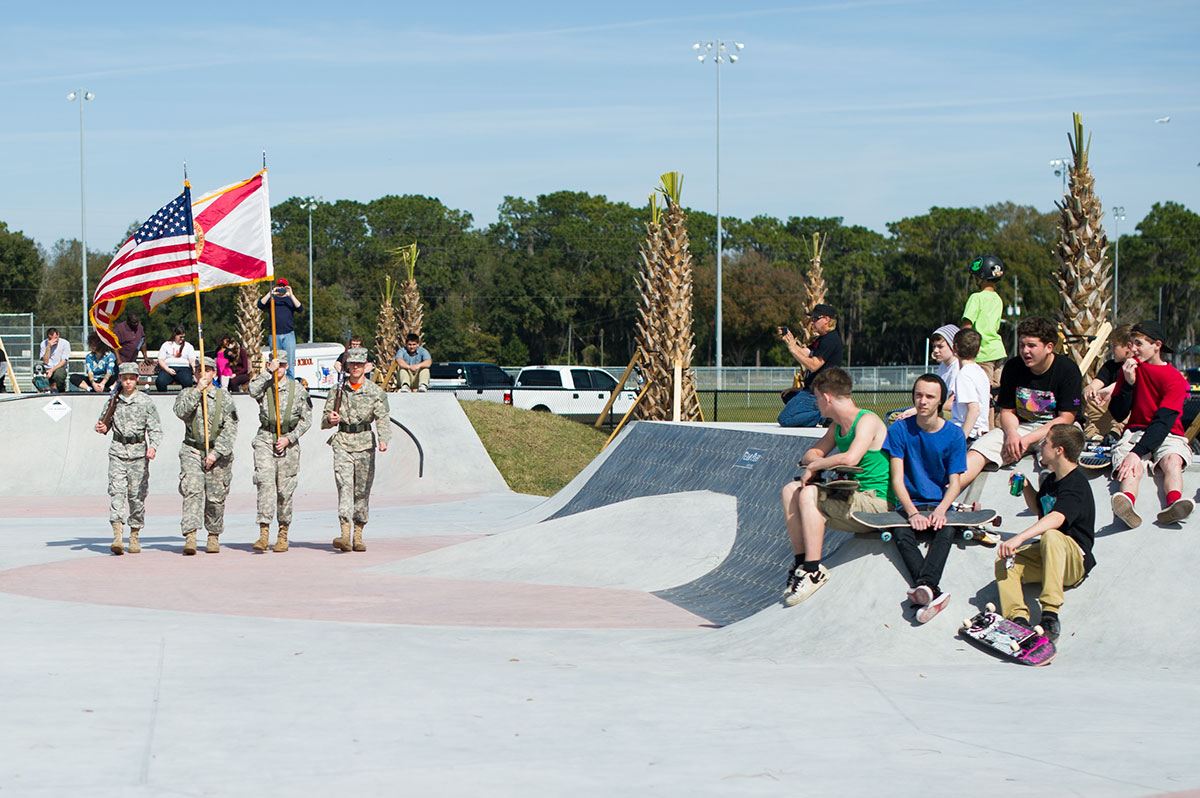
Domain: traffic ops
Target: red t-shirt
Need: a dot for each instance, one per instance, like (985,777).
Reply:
(1157,386)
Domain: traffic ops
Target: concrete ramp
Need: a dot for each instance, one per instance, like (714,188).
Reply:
(51,450)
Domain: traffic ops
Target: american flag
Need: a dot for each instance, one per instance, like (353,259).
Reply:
(160,254)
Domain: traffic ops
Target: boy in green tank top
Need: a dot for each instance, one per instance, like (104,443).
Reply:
(854,439)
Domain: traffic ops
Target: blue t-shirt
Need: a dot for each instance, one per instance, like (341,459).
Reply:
(420,356)
(284,308)
(100,367)
(929,457)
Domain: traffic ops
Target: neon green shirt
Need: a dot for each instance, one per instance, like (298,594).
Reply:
(984,310)
(874,463)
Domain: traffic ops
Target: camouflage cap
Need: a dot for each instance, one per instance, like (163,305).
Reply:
(127,368)
(210,364)
(356,354)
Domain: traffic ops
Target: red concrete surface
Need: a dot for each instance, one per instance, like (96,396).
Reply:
(314,582)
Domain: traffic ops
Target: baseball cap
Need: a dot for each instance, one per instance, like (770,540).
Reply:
(1154,331)
(281,281)
(822,310)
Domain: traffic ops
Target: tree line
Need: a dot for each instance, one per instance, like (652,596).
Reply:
(554,278)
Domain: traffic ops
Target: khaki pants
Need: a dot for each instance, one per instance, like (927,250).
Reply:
(1055,560)
(413,381)
(836,509)
(1098,422)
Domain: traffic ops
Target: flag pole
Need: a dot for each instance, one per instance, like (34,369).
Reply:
(199,320)
(275,373)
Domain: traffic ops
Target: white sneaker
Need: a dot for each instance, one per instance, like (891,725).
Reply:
(405,389)
(1176,511)
(804,584)
(927,613)
(422,389)
(921,595)
(1123,508)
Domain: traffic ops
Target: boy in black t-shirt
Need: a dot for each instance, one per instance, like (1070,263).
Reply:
(1097,393)
(1067,526)
(800,407)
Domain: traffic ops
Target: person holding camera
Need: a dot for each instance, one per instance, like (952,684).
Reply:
(286,305)
(800,409)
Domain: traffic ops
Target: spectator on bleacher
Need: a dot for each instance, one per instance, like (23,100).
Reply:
(233,364)
(99,367)
(54,354)
(130,338)
(176,362)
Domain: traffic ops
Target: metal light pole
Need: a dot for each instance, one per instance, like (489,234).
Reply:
(309,204)
(1118,217)
(82,96)
(1061,168)
(715,51)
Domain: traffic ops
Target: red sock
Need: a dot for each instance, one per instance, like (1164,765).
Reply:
(1132,498)
(1173,497)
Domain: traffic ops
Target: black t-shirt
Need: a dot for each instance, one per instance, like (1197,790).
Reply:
(1039,398)
(1108,373)
(828,347)
(1073,498)
(284,323)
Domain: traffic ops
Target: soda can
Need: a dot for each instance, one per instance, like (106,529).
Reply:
(1016,483)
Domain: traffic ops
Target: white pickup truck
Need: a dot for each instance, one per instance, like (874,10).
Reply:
(576,392)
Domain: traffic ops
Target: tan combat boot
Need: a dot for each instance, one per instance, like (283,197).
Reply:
(342,542)
(281,543)
(264,537)
(213,546)
(135,547)
(118,544)
(358,541)
(189,542)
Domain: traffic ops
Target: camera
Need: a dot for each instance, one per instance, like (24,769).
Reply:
(279,290)
(783,331)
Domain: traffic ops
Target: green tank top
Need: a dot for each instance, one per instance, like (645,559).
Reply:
(874,463)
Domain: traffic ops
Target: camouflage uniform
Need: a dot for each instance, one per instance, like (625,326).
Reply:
(135,425)
(204,491)
(354,448)
(276,476)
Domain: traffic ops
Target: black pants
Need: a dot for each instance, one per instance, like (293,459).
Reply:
(926,569)
(183,376)
(81,384)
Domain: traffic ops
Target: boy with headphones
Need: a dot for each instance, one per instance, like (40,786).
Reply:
(927,456)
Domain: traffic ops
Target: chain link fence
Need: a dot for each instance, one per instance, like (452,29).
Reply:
(764,406)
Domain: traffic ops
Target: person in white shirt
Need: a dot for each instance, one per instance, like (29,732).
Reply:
(972,389)
(54,354)
(941,343)
(176,362)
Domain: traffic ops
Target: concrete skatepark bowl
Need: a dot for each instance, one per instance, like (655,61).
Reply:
(622,637)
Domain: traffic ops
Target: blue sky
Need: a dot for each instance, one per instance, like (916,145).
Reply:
(871,110)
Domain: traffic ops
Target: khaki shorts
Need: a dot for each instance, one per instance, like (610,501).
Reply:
(992,369)
(1172,444)
(991,445)
(836,509)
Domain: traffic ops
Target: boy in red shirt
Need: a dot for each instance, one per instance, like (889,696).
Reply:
(1151,393)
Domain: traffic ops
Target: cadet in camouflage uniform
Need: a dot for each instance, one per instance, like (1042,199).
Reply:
(136,432)
(353,444)
(204,480)
(277,457)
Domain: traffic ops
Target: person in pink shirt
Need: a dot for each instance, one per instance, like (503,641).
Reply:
(1151,393)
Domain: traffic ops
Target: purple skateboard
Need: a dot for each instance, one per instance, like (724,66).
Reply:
(1009,639)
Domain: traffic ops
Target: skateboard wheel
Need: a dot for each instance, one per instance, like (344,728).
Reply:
(1040,631)
(990,607)
(966,624)
(886,537)
(1014,646)
(967,534)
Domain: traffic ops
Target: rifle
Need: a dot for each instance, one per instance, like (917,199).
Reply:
(337,401)
(112,406)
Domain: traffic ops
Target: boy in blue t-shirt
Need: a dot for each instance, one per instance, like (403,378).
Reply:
(927,457)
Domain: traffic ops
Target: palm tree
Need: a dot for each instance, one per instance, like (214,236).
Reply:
(387,330)
(664,331)
(412,310)
(1084,273)
(249,324)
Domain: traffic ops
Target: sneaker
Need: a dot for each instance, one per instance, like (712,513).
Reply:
(1176,511)
(1051,626)
(422,388)
(1123,508)
(804,584)
(405,389)
(921,595)
(1021,620)
(927,613)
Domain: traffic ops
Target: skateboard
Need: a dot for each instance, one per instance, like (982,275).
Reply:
(41,383)
(1096,456)
(1009,639)
(838,480)
(970,520)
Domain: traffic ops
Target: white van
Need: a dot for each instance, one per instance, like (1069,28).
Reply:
(314,364)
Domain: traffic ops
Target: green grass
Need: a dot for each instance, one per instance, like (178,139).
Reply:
(536,453)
